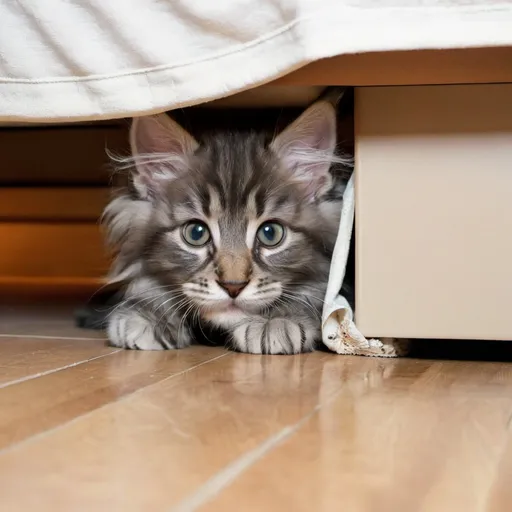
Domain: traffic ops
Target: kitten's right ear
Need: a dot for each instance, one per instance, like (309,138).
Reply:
(306,147)
(160,149)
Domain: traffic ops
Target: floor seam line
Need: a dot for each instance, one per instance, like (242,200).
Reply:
(232,471)
(121,399)
(503,451)
(47,337)
(169,377)
(54,370)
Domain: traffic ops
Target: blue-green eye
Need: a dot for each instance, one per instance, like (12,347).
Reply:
(196,233)
(270,234)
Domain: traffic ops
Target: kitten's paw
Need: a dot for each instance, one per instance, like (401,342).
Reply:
(275,336)
(133,331)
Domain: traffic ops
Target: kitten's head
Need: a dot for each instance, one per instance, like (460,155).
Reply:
(236,224)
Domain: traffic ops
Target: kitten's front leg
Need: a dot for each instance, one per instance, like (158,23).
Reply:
(147,319)
(276,336)
(142,331)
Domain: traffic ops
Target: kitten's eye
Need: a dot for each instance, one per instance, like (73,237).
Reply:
(196,234)
(270,234)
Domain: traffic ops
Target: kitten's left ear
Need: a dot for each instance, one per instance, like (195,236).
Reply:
(306,147)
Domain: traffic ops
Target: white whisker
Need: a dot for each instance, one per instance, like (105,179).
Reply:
(304,302)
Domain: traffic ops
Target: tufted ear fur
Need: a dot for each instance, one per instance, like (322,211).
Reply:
(160,151)
(306,147)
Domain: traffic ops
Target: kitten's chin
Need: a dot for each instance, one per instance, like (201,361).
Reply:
(225,317)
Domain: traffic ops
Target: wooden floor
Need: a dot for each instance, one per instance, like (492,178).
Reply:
(85,427)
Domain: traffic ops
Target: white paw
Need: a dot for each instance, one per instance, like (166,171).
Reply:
(130,330)
(274,336)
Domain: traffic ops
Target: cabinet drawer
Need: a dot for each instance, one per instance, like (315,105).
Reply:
(434,211)
(52,250)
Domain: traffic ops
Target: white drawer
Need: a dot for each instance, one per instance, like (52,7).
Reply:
(434,211)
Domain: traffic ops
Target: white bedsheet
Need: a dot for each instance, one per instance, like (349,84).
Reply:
(97,59)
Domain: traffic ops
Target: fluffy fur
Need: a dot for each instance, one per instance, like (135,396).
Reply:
(239,190)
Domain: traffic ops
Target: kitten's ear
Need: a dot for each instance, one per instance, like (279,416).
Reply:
(306,147)
(160,149)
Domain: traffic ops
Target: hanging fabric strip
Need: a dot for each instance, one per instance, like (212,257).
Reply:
(339,332)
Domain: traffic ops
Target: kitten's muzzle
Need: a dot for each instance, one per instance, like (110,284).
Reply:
(233,288)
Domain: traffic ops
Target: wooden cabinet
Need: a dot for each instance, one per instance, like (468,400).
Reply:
(434,211)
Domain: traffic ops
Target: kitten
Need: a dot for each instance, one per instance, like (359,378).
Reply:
(234,233)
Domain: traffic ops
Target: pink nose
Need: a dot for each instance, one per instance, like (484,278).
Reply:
(233,287)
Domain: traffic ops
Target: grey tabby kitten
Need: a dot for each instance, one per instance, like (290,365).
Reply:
(233,233)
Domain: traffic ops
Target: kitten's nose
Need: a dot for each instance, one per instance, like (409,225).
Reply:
(233,287)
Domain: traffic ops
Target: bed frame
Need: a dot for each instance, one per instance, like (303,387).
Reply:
(433,132)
